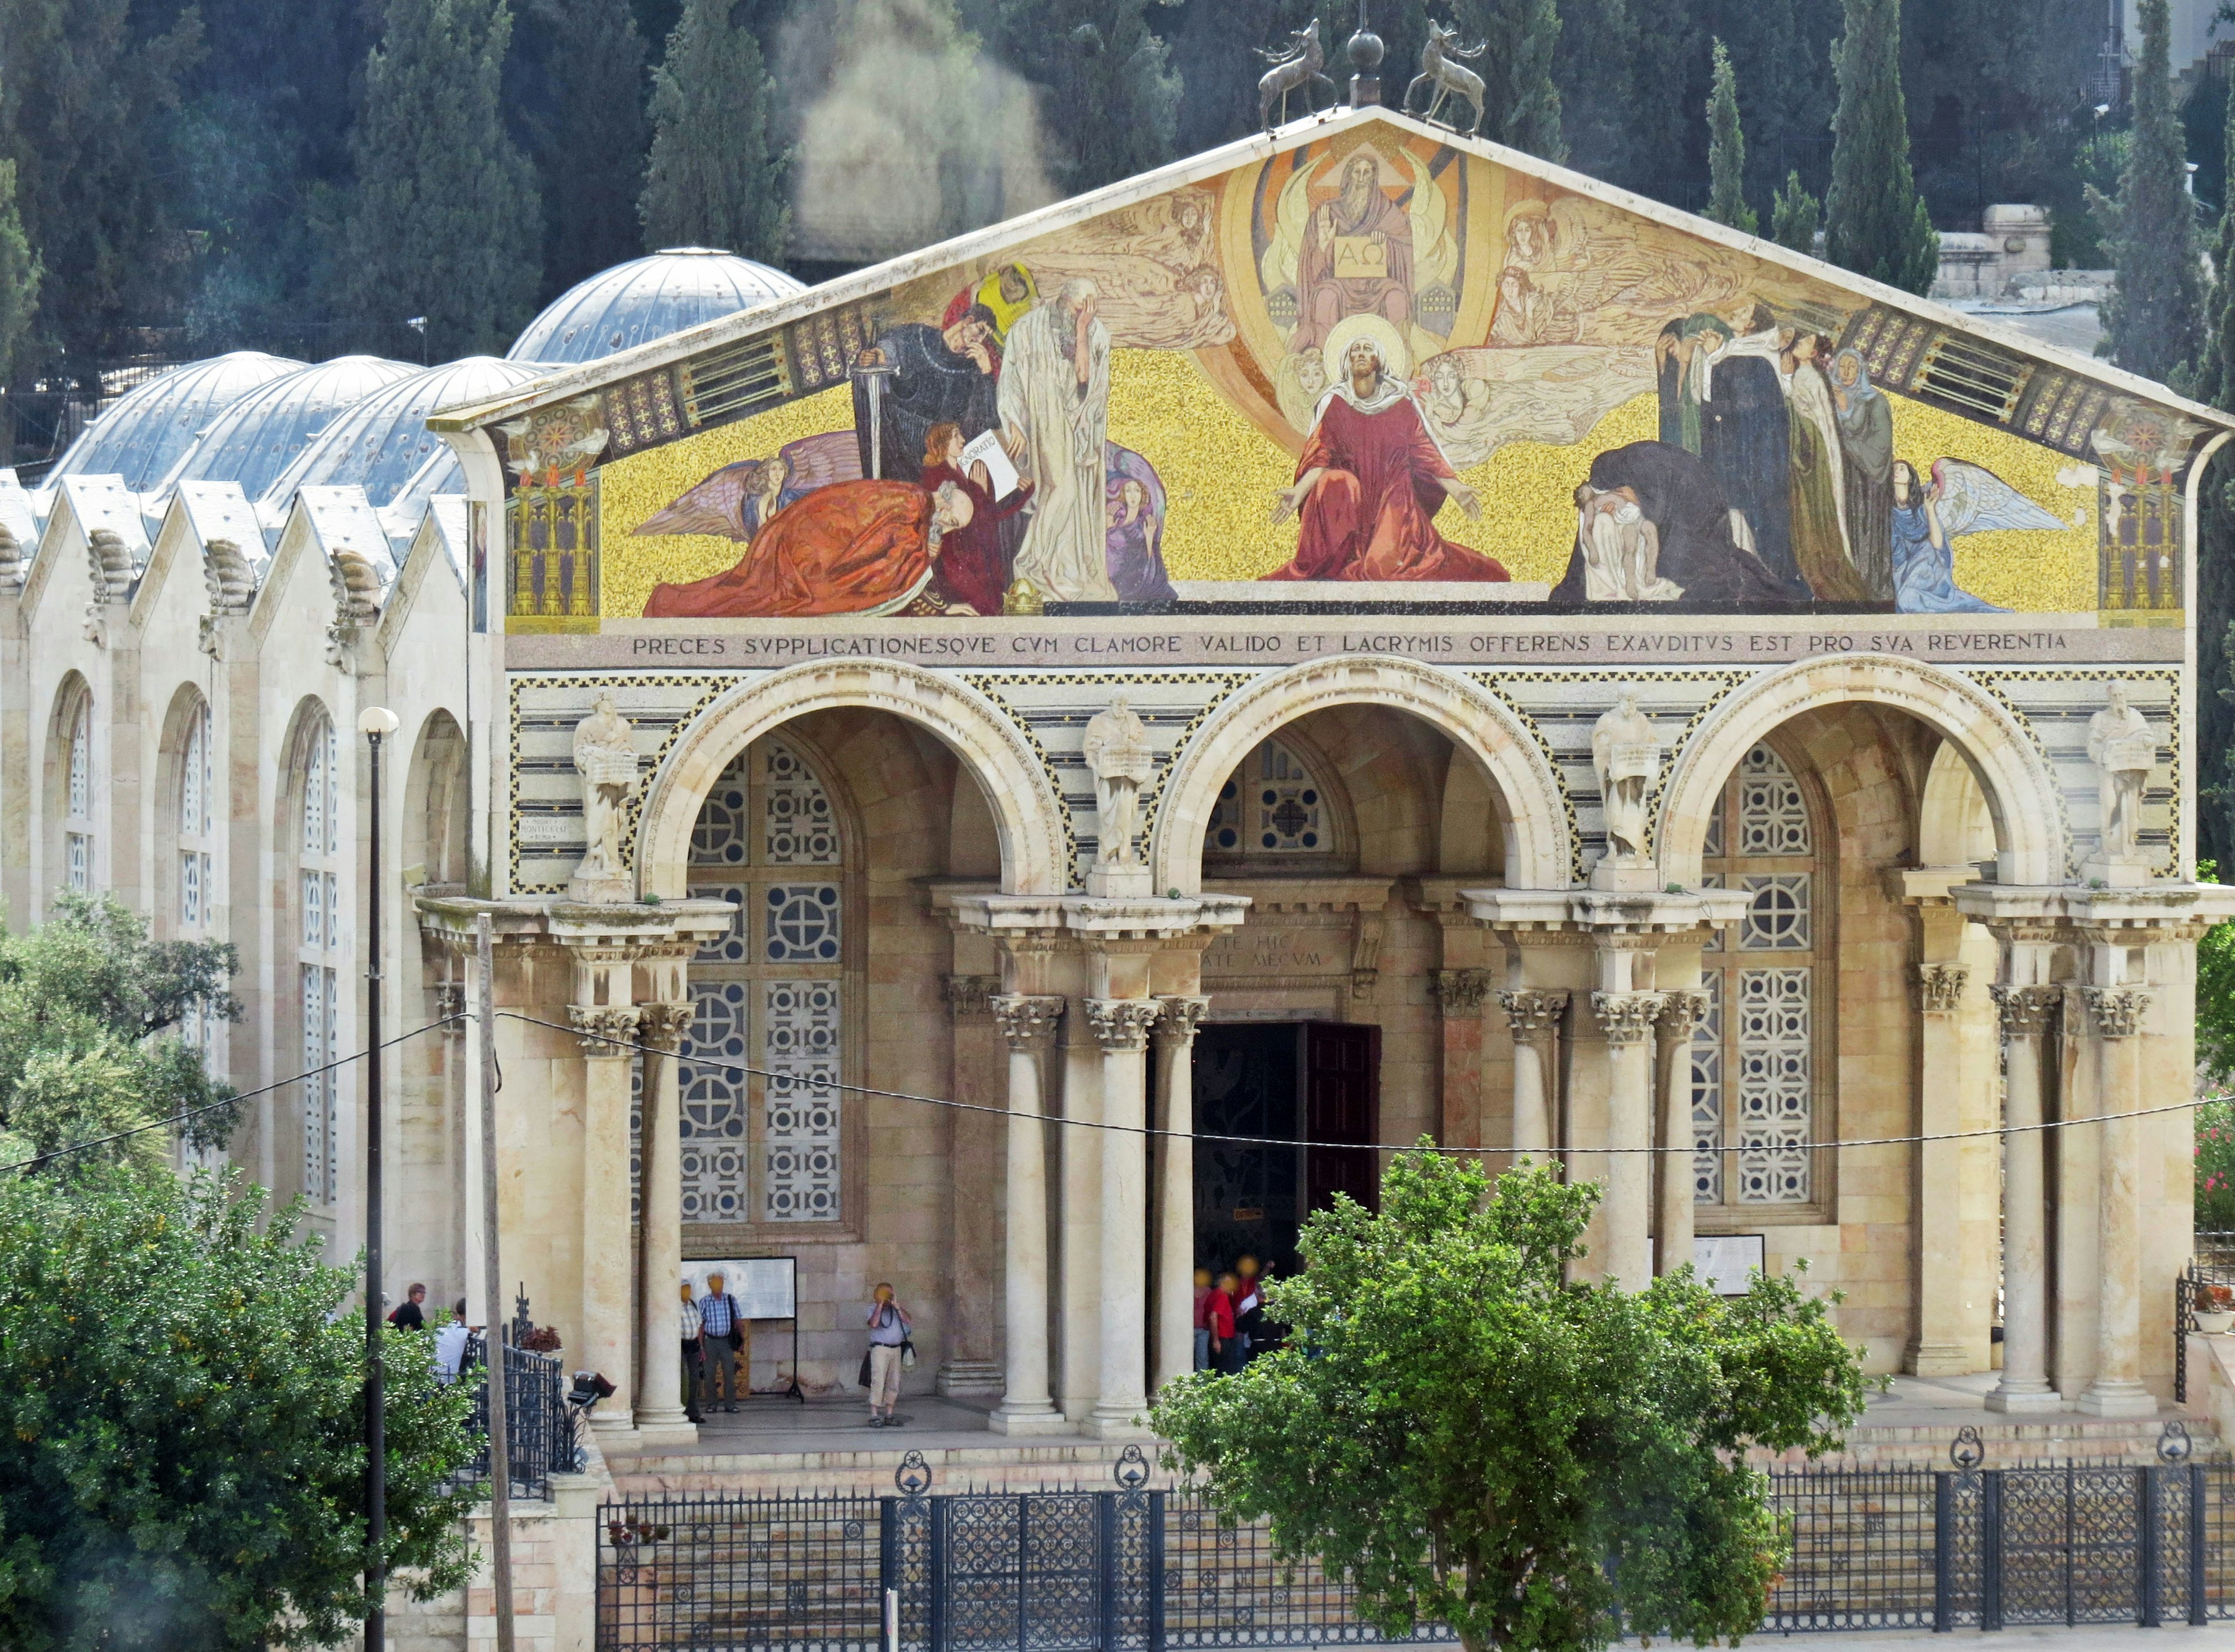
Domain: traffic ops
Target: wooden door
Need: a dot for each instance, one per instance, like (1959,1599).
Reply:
(1342,1084)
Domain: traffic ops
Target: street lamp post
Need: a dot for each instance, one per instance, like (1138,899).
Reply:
(376,723)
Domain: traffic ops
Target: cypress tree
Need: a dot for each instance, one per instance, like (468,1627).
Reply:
(1878,224)
(1794,216)
(2215,559)
(1110,98)
(718,176)
(1521,101)
(581,70)
(19,273)
(442,220)
(1727,202)
(2151,322)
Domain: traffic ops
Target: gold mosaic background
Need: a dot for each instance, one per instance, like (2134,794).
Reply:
(1220,474)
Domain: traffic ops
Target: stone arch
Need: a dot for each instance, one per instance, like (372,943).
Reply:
(1035,853)
(436,826)
(1531,811)
(167,806)
(2020,791)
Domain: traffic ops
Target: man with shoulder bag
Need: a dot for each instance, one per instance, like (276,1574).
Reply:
(724,1330)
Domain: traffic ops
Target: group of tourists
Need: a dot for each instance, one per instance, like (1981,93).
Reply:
(717,1350)
(1230,1326)
(450,1341)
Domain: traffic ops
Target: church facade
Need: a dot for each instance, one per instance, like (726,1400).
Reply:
(1021,772)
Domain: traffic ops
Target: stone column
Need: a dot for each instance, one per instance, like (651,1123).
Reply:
(607,1032)
(2028,1012)
(1681,1010)
(974,1153)
(2117,1390)
(1175,1152)
(659,1395)
(1534,1015)
(1627,1020)
(1027,1025)
(1936,1343)
(1458,993)
(1121,1027)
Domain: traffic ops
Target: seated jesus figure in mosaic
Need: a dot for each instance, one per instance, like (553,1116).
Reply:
(1372,476)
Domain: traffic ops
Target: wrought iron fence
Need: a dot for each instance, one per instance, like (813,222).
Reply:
(538,1421)
(1137,1569)
(2212,1263)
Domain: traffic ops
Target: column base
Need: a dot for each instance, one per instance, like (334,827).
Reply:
(2026,1400)
(616,1430)
(1118,1422)
(971,1380)
(2118,1398)
(668,1427)
(1938,1360)
(1042,1418)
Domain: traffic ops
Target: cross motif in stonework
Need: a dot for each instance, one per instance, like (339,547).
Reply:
(1026,1021)
(1532,1013)
(2027,1012)
(1940,987)
(1460,991)
(1120,1023)
(1626,1018)
(1178,1019)
(2118,1010)
(608,1030)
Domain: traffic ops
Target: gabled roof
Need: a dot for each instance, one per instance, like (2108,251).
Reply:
(221,510)
(1249,152)
(98,502)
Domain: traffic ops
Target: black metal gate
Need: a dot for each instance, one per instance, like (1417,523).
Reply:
(1043,1571)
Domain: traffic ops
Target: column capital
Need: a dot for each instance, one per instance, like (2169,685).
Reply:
(2027,1012)
(1940,987)
(662,1026)
(451,1008)
(1626,1018)
(606,1030)
(1533,1013)
(1121,1024)
(1027,1022)
(969,997)
(1178,1019)
(1460,991)
(2117,1010)
(1681,1009)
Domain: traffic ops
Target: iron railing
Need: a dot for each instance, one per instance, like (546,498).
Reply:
(538,1421)
(1137,1569)
(2212,1263)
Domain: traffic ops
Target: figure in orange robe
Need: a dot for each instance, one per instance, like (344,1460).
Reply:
(851,548)
(1369,485)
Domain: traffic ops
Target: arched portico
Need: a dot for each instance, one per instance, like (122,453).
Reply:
(1035,857)
(1525,793)
(2021,793)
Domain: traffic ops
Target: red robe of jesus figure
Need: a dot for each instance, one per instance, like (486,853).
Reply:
(1369,485)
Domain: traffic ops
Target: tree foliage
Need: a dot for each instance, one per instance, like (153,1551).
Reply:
(579,95)
(181,1427)
(1727,202)
(443,222)
(2152,322)
(1875,221)
(1109,99)
(90,1013)
(20,272)
(1795,216)
(1508,1443)
(1521,99)
(2213,380)
(717,175)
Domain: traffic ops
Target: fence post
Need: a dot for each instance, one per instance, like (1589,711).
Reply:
(936,1630)
(1023,1569)
(1106,1545)
(1990,1550)
(889,1573)
(2197,1610)
(1943,1551)
(2152,1602)
(1156,1547)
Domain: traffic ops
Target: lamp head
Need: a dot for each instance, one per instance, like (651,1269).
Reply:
(377,721)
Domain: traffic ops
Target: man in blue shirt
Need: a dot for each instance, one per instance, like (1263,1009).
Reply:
(718,1320)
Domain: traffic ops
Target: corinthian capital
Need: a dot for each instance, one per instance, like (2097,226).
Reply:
(1026,1021)
(1534,1015)
(664,1025)
(1626,1018)
(1120,1023)
(2118,1010)
(1460,991)
(2027,1012)
(606,1030)
(1178,1019)
(1940,987)
(1681,1010)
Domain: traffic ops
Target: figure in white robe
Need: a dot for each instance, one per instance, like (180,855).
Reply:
(1055,417)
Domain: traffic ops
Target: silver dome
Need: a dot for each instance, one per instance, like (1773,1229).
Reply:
(382,444)
(646,299)
(259,437)
(141,437)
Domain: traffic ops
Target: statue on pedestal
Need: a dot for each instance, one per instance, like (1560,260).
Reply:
(1626,753)
(2123,748)
(606,757)
(1117,750)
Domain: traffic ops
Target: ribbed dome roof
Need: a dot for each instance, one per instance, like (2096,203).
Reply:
(142,435)
(647,298)
(381,443)
(259,437)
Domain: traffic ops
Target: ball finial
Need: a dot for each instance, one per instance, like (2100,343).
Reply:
(1365,49)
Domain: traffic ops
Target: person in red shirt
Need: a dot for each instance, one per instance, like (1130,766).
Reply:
(1202,1319)
(1226,1350)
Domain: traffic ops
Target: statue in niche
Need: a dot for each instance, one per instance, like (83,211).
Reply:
(1626,753)
(2122,746)
(1117,751)
(606,757)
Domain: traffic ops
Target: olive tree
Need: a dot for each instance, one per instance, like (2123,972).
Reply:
(1468,1435)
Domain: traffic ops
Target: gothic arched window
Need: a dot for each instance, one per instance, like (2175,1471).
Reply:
(77,796)
(1754,1054)
(317,796)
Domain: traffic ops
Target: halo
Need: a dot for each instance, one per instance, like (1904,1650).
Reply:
(1396,359)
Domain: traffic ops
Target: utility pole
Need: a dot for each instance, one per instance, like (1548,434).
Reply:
(376,723)
(499,1441)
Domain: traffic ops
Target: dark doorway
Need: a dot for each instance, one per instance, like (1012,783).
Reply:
(1307,1090)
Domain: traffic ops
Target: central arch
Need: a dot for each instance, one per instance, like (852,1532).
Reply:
(2021,793)
(1027,818)
(1526,794)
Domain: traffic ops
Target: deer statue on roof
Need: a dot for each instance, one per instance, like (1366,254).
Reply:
(1295,67)
(1446,79)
